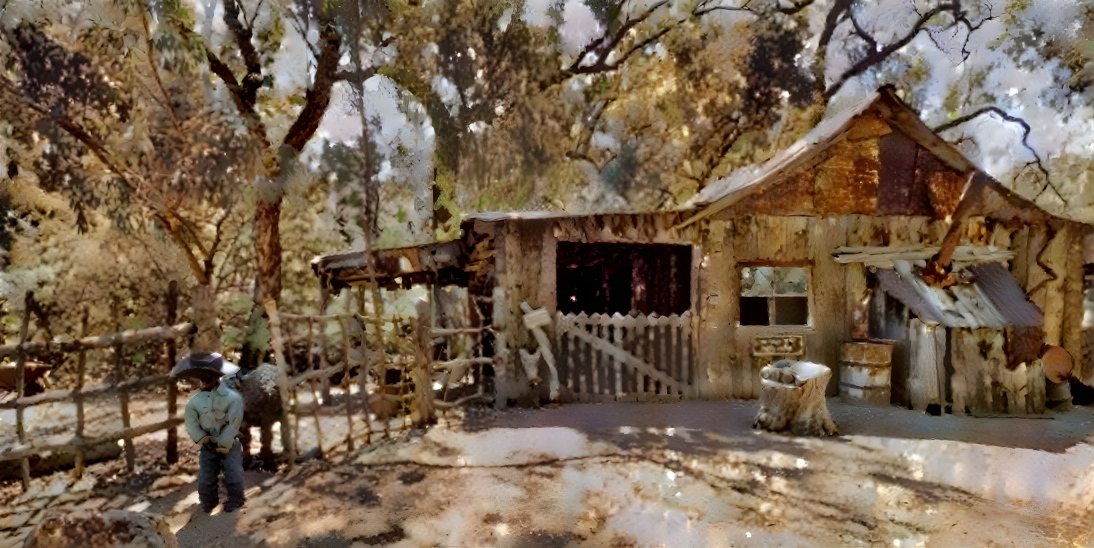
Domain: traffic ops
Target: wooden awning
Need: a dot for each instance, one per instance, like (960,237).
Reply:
(438,262)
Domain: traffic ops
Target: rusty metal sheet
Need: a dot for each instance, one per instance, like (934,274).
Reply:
(997,283)
(944,185)
(414,264)
(846,182)
(792,197)
(1023,345)
(901,290)
(986,296)
(899,191)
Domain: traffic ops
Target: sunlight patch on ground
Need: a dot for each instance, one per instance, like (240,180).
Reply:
(1003,474)
(499,447)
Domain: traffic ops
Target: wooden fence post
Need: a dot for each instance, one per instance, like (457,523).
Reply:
(81,373)
(172,387)
(20,387)
(347,387)
(123,393)
(287,438)
(324,297)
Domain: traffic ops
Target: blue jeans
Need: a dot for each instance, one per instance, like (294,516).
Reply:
(210,464)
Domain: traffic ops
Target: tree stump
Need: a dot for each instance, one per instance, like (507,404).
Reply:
(792,399)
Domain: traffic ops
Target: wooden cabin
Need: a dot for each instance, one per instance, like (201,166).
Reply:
(784,259)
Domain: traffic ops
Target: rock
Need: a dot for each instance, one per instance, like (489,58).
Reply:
(94,529)
(168,482)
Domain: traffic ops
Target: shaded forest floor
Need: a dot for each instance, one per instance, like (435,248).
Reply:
(691,473)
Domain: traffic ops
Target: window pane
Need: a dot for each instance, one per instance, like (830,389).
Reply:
(756,281)
(791,311)
(791,281)
(754,311)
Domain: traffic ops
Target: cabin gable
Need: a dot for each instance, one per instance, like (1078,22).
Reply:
(871,169)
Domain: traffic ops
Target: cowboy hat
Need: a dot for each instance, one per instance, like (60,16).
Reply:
(199,364)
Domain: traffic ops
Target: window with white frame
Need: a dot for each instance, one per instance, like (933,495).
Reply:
(774,295)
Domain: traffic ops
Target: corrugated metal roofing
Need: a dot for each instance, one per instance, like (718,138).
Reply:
(986,295)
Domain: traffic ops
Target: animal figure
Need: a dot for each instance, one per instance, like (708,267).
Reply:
(261,408)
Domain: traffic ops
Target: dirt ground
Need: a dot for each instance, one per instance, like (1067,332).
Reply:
(684,474)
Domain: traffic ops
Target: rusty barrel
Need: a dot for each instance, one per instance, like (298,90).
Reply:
(864,370)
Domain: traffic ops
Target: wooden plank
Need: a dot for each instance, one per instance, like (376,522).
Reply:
(618,334)
(23,451)
(20,386)
(98,391)
(311,386)
(828,295)
(123,394)
(766,238)
(130,337)
(603,361)
(1036,388)
(633,362)
(81,373)
(1046,269)
(1071,337)
(641,351)
(276,341)
(923,387)
(346,384)
(172,388)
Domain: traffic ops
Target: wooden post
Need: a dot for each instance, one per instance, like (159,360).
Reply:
(937,272)
(123,392)
(81,372)
(20,387)
(287,438)
(314,393)
(324,298)
(347,386)
(172,387)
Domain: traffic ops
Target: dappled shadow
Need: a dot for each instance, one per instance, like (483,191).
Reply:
(209,530)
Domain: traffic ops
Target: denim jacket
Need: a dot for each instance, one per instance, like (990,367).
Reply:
(217,413)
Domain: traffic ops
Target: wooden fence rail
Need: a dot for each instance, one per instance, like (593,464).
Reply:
(27,447)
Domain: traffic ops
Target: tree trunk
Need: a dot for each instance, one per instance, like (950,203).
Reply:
(204,304)
(792,399)
(268,248)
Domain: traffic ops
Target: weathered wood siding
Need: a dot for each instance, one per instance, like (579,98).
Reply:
(525,270)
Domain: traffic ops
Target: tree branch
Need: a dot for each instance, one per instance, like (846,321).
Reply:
(1026,129)
(605,45)
(879,55)
(248,88)
(156,75)
(75,130)
(354,76)
(318,97)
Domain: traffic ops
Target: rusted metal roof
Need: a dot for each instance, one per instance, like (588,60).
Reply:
(437,261)
(986,295)
(750,180)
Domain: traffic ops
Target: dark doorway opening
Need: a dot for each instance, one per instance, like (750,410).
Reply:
(626,278)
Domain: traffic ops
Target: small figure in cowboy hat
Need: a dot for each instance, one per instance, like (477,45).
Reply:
(213,417)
